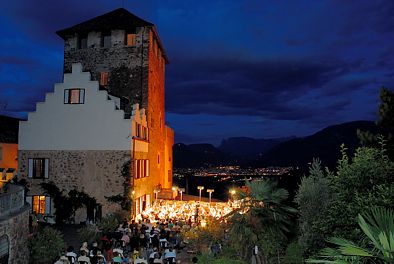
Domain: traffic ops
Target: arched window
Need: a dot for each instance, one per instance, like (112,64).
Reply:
(4,249)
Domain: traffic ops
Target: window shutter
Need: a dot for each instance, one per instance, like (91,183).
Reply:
(141,169)
(47,205)
(46,172)
(82,96)
(136,169)
(29,199)
(66,96)
(30,168)
(147,167)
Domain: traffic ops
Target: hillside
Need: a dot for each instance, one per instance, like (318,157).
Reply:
(198,155)
(324,144)
(246,148)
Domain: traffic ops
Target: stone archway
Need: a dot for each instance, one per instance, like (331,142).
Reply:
(4,249)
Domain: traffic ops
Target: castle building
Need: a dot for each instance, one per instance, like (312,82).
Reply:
(109,110)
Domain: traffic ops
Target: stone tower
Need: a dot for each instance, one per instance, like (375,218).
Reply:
(124,53)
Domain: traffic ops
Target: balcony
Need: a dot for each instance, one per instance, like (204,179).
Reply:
(140,145)
(12,200)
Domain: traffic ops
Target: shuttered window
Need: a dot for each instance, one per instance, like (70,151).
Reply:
(74,96)
(38,168)
(40,204)
(141,168)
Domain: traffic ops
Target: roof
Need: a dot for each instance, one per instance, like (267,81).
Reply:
(117,19)
(9,129)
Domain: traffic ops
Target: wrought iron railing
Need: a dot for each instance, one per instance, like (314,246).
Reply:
(12,200)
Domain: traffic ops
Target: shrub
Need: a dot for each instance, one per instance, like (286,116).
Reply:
(293,254)
(46,246)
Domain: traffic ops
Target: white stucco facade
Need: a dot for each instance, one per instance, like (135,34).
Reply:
(92,125)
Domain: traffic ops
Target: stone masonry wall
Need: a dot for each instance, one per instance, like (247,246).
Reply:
(127,65)
(98,173)
(16,228)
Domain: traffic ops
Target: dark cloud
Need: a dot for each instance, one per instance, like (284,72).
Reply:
(234,86)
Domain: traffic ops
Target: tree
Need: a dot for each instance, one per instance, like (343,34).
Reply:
(385,123)
(313,198)
(378,230)
(359,184)
(46,246)
(263,219)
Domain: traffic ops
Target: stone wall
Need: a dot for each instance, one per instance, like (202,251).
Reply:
(16,228)
(98,173)
(127,65)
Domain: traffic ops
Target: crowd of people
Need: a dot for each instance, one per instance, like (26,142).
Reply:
(153,237)
(140,242)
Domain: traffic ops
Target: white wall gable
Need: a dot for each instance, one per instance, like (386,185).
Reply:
(93,125)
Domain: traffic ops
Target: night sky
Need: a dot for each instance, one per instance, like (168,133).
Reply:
(251,68)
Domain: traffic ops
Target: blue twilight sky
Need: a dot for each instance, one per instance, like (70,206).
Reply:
(238,67)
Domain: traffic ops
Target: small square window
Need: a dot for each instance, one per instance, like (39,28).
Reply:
(83,42)
(130,40)
(103,78)
(74,96)
(106,40)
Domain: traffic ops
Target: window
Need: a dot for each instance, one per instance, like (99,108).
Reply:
(141,168)
(169,176)
(38,168)
(40,204)
(145,133)
(103,78)
(141,131)
(130,39)
(4,249)
(106,40)
(83,42)
(74,96)
(138,130)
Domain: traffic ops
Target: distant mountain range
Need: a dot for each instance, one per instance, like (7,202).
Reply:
(324,144)
(247,148)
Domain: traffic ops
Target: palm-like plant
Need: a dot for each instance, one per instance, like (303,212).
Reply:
(378,227)
(262,212)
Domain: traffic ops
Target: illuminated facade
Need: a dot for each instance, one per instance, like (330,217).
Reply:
(109,110)
(8,148)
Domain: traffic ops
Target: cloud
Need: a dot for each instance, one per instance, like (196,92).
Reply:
(263,87)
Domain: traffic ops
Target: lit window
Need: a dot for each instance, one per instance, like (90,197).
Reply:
(38,205)
(130,40)
(38,168)
(141,168)
(74,96)
(103,78)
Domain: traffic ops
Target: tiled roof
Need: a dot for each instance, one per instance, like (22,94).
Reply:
(117,19)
